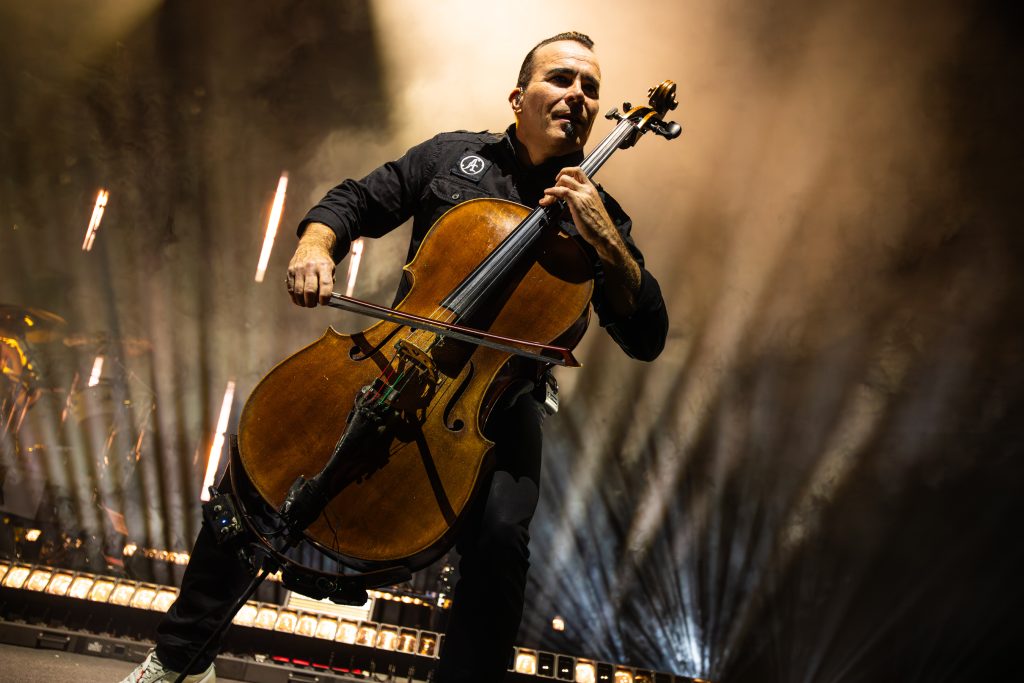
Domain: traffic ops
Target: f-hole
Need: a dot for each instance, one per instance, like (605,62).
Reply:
(356,352)
(457,424)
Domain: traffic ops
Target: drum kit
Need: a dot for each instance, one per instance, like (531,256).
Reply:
(74,419)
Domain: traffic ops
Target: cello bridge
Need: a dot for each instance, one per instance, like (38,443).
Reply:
(412,357)
(409,385)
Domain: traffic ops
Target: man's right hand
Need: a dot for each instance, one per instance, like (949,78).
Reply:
(311,270)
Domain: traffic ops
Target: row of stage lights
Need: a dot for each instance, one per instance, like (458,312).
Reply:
(147,596)
(181,559)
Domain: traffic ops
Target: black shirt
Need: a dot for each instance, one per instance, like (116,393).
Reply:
(452,168)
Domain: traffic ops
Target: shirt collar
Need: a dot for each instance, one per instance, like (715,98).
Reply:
(547,169)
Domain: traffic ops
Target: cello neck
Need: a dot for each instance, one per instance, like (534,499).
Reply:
(595,160)
(488,276)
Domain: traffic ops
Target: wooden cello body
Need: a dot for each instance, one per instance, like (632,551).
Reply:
(403,504)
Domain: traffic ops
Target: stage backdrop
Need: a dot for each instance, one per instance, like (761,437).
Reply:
(818,480)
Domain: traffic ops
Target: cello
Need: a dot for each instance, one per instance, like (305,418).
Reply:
(377,456)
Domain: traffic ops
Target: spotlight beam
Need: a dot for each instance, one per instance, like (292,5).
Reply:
(217,448)
(272,224)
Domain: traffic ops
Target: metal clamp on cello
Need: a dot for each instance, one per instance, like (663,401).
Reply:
(368,420)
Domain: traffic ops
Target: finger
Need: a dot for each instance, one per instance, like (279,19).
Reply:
(298,288)
(572,184)
(557,192)
(297,294)
(552,195)
(574,172)
(289,282)
(295,289)
(326,283)
(310,290)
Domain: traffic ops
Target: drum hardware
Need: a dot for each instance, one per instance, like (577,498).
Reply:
(112,415)
(20,375)
(103,344)
(20,328)
(32,324)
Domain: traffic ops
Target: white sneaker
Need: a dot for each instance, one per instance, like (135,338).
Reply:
(153,671)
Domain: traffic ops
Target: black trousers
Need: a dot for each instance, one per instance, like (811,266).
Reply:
(488,600)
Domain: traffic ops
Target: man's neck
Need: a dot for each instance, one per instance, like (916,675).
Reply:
(529,157)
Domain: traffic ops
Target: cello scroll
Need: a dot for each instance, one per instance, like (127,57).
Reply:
(662,99)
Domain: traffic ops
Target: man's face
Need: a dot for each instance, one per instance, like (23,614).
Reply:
(563,89)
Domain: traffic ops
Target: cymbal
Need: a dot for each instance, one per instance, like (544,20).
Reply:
(34,324)
(101,342)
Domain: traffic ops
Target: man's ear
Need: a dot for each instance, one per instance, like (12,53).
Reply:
(515,98)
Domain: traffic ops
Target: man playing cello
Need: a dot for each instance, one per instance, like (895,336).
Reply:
(536,161)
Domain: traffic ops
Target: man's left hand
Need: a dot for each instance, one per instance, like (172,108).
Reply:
(622,273)
(588,212)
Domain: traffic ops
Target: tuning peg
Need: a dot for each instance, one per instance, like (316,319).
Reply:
(666,129)
(613,114)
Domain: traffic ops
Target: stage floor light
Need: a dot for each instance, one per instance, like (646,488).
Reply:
(526,662)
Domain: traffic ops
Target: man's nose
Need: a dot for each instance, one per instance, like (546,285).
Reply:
(575,91)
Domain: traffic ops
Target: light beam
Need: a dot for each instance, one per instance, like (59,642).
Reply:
(353,266)
(272,223)
(94,221)
(213,462)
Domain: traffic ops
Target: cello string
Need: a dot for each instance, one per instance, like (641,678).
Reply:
(391,388)
(383,380)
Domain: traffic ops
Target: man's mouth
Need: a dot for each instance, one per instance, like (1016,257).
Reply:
(569,118)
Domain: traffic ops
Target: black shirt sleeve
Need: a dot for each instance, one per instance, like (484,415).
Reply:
(378,203)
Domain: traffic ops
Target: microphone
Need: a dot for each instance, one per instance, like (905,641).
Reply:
(569,129)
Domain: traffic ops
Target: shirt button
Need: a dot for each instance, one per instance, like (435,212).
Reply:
(456,195)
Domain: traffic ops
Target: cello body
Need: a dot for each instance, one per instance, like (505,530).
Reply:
(400,504)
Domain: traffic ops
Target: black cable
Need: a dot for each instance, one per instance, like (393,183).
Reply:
(250,589)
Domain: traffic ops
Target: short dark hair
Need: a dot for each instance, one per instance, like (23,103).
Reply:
(526,70)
